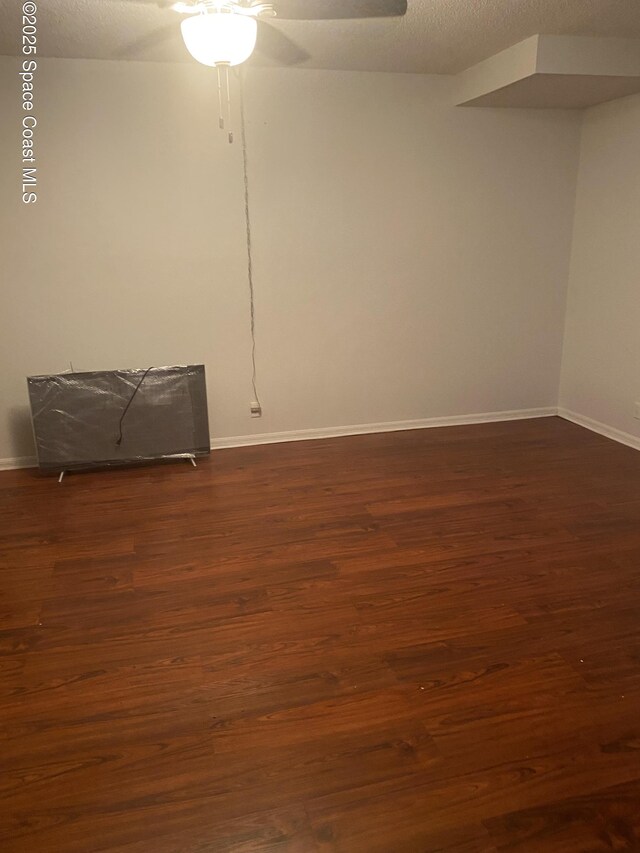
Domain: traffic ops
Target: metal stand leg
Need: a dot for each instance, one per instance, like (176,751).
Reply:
(60,478)
(192,459)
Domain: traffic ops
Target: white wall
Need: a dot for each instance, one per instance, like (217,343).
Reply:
(601,360)
(411,257)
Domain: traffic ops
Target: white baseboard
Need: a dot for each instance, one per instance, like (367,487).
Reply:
(388,426)
(18,462)
(335,432)
(626,438)
(602,429)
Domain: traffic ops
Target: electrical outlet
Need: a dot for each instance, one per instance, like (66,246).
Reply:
(636,411)
(256,409)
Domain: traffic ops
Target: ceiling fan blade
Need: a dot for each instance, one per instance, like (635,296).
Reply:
(161,4)
(274,44)
(319,10)
(160,35)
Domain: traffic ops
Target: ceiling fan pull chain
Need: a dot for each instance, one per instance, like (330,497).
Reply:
(224,99)
(228,89)
(220,116)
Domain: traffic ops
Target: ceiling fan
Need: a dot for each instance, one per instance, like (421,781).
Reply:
(226,32)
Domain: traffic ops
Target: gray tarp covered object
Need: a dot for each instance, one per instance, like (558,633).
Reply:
(77,417)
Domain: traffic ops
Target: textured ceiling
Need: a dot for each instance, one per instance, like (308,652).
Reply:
(436,36)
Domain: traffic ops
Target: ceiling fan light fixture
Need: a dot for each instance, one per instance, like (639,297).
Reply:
(220,38)
(183,8)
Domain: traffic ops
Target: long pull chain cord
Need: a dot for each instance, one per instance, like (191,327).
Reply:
(249,248)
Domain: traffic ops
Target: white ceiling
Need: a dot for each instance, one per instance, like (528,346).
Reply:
(436,36)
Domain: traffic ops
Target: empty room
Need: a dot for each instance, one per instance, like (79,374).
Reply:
(319,426)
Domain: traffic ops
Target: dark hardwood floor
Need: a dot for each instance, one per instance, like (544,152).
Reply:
(420,641)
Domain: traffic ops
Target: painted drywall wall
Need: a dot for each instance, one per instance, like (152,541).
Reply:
(410,258)
(601,360)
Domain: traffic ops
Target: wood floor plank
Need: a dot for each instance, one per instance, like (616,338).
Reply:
(600,821)
(402,643)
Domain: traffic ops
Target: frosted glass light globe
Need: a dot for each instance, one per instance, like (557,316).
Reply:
(220,37)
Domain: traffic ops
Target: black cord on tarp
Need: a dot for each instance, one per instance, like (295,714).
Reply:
(126,408)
